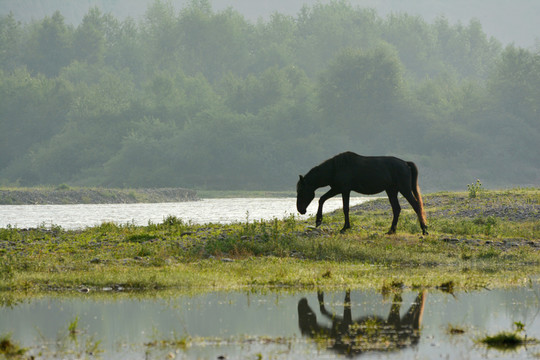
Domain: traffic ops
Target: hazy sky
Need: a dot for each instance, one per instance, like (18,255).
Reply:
(509,21)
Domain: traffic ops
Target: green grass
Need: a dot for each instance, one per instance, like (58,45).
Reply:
(10,349)
(288,252)
(504,340)
(508,340)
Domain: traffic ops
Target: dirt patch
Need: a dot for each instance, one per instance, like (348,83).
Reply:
(509,207)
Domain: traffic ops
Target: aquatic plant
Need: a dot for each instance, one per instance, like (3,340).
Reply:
(73,327)
(455,329)
(509,340)
(9,349)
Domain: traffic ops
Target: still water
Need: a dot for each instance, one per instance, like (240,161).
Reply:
(200,212)
(274,325)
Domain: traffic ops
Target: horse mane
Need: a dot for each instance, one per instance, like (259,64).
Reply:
(321,172)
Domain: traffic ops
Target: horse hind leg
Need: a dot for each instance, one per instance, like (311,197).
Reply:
(416,207)
(396,209)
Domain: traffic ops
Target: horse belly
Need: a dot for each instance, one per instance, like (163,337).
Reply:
(372,190)
(368,185)
(372,181)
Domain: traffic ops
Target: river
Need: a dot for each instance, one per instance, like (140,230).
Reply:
(200,212)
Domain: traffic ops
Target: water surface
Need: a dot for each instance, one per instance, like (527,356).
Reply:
(200,212)
(277,325)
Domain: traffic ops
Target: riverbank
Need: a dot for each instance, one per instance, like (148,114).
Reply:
(492,240)
(66,195)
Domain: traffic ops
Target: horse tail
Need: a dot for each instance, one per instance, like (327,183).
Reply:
(416,189)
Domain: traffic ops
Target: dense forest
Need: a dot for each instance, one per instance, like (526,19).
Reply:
(208,99)
(516,21)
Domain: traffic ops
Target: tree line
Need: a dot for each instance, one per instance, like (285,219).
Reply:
(207,99)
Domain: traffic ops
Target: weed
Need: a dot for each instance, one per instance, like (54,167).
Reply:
(172,221)
(455,330)
(10,349)
(475,189)
(75,344)
(6,269)
(503,340)
(489,253)
(447,287)
(145,251)
(73,327)
(508,340)
(139,238)
(182,342)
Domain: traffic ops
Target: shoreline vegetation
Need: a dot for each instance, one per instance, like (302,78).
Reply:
(64,194)
(488,240)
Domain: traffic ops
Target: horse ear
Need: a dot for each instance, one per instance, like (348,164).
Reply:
(301,178)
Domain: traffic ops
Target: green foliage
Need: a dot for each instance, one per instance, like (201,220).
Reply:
(10,349)
(475,189)
(73,327)
(207,99)
(508,340)
(362,83)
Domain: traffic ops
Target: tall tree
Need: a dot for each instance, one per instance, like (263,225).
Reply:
(359,83)
(515,84)
(49,47)
(10,38)
(89,43)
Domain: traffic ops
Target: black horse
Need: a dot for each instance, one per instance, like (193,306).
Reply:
(348,172)
(355,336)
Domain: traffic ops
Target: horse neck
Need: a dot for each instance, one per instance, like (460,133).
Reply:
(320,175)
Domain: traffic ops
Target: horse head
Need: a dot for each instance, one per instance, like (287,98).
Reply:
(304,195)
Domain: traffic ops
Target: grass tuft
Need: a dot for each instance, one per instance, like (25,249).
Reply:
(10,349)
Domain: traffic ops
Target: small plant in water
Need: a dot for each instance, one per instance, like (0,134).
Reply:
(455,329)
(509,340)
(9,349)
(475,189)
(73,327)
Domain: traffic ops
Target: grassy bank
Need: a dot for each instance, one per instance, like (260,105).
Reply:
(64,194)
(490,240)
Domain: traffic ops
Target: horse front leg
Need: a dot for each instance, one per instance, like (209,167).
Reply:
(346,197)
(330,193)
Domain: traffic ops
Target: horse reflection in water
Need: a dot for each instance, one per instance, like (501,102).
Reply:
(366,333)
